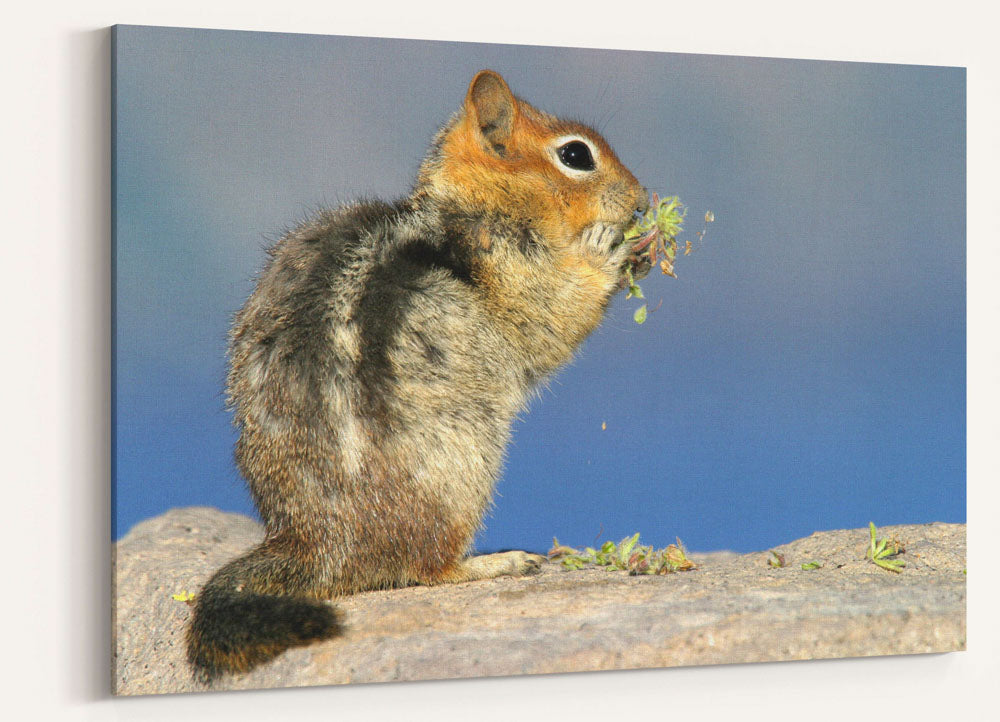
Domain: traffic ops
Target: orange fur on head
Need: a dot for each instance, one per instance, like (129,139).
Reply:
(499,158)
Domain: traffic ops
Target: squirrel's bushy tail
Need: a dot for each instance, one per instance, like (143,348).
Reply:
(249,612)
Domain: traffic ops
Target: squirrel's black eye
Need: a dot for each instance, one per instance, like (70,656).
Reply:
(576,155)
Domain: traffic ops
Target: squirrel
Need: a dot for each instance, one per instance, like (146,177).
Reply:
(377,367)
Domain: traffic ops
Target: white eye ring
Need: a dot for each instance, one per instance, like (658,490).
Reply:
(557,161)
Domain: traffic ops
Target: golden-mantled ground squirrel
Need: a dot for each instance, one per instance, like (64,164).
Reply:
(377,367)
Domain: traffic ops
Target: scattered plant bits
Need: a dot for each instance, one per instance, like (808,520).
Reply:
(778,561)
(883,551)
(627,555)
(184,596)
(653,236)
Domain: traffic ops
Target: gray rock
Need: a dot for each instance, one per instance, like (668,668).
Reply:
(732,608)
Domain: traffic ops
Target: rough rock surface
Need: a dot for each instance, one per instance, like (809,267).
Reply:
(733,608)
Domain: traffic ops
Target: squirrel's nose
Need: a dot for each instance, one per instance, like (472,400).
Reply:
(643,202)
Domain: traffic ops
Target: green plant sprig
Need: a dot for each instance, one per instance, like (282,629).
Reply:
(627,555)
(654,234)
(882,552)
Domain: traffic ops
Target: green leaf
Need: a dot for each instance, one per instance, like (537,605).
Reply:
(627,545)
(892,565)
(640,314)
(811,565)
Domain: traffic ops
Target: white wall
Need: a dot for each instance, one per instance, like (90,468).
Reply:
(54,429)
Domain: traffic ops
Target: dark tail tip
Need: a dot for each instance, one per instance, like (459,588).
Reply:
(233,632)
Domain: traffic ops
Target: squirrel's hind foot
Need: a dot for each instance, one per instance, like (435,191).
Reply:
(488,566)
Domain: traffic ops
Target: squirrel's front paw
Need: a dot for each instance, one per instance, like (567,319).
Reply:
(602,239)
(606,245)
(639,264)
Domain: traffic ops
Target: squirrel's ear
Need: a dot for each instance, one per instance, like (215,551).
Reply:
(493,107)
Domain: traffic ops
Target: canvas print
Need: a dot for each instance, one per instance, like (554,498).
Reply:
(439,360)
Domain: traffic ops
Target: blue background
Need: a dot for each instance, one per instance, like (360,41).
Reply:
(805,372)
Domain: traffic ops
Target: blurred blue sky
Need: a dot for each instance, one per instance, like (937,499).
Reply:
(805,372)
